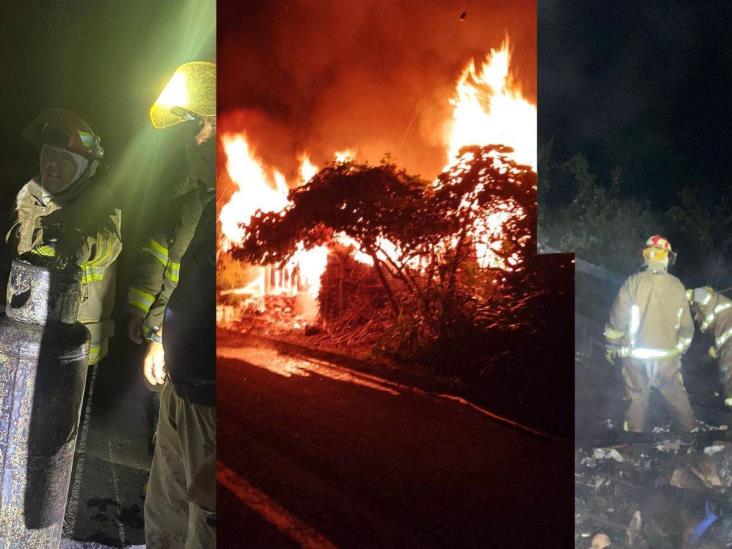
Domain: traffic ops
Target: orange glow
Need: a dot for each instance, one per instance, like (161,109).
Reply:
(307,169)
(489,110)
(345,155)
(257,191)
(266,190)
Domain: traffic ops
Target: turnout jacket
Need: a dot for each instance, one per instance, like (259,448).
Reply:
(84,207)
(650,318)
(189,337)
(157,270)
(714,316)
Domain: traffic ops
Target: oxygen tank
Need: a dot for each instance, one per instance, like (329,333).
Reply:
(43,362)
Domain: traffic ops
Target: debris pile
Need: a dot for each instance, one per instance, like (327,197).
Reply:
(656,493)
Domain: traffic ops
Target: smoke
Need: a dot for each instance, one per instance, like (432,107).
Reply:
(375,77)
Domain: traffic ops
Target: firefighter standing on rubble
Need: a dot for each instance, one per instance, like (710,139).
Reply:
(180,506)
(650,328)
(713,313)
(66,216)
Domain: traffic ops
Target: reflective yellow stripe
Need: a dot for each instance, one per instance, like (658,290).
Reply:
(683,344)
(139,299)
(157,250)
(92,274)
(711,317)
(45,251)
(611,333)
(94,352)
(103,255)
(172,271)
(649,354)
(634,323)
(722,339)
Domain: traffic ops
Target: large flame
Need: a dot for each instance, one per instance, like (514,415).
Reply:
(257,190)
(490,110)
(261,189)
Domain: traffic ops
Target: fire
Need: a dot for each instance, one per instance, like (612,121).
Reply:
(489,109)
(262,189)
(307,169)
(258,190)
(345,155)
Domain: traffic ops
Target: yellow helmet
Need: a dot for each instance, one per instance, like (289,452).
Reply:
(190,93)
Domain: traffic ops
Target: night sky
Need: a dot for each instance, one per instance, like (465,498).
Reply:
(640,85)
(320,76)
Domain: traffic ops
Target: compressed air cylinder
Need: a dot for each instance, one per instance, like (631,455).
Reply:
(43,361)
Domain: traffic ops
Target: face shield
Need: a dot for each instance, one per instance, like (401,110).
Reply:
(190,94)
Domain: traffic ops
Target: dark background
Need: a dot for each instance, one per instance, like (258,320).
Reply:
(640,85)
(107,61)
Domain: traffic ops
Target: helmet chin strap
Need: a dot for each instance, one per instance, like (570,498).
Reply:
(82,163)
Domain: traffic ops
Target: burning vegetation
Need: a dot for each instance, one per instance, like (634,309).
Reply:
(442,271)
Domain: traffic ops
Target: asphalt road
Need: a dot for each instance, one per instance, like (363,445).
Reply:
(314,454)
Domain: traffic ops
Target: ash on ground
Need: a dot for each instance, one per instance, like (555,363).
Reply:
(658,491)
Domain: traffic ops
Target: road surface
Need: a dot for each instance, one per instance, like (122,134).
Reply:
(314,454)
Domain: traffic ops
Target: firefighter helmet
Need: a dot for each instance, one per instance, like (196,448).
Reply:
(66,130)
(189,94)
(658,250)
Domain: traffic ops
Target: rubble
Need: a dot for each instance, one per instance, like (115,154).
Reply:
(600,541)
(654,493)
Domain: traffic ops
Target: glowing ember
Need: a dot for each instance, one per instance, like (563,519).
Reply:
(344,156)
(307,169)
(490,110)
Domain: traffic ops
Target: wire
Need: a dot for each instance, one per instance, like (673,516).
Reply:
(420,99)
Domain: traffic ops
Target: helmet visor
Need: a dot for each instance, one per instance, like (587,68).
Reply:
(190,91)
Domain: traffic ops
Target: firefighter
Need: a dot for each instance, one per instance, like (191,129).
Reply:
(66,215)
(180,506)
(650,328)
(713,313)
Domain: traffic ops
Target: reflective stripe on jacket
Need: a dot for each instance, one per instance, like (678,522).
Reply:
(715,316)
(157,269)
(84,206)
(650,317)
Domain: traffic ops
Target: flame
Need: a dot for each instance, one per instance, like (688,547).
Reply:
(307,168)
(345,155)
(489,110)
(257,190)
(262,189)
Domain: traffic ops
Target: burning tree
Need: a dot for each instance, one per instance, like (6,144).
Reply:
(445,252)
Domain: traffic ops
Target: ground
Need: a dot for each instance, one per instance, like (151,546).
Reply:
(311,450)
(112,460)
(657,489)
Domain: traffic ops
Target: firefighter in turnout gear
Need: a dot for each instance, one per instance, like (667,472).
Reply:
(188,95)
(180,506)
(713,313)
(67,216)
(650,328)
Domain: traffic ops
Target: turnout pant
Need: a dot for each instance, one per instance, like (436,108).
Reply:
(180,506)
(665,375)
(725,368)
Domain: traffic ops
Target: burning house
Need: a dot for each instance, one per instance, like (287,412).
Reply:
(486,108)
